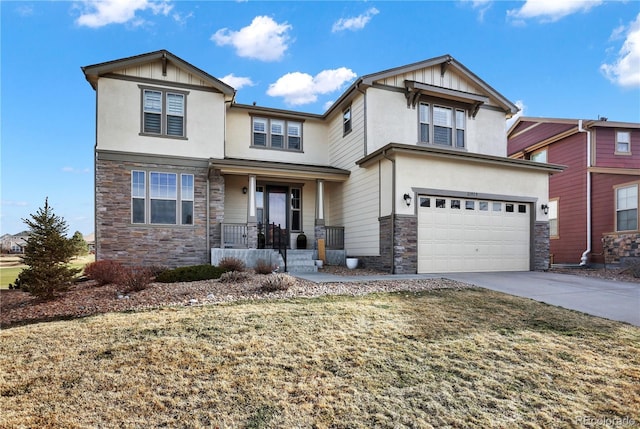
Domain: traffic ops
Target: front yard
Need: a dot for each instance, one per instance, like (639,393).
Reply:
(434,358)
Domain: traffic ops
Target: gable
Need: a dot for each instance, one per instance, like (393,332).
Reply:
(531,134)
(157,66)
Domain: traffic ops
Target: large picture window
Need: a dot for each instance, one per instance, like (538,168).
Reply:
(627,208)
(276,134)
(442,125)
(163,112)
(162,198)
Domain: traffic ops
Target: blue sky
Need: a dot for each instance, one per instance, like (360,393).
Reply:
(554,58)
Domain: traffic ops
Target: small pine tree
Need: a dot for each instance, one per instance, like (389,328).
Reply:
(80,247)
(47,254)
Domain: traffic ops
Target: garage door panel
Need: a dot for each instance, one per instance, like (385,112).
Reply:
(471,239)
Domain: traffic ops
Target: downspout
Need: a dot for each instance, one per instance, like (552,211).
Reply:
(393,210)
(584,258)
(208,218)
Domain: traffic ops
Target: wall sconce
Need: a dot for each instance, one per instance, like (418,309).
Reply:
(407,199)
(545,208)
(244,190)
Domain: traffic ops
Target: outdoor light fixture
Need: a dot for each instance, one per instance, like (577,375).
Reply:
(545,208)
(244,190)
(407,199)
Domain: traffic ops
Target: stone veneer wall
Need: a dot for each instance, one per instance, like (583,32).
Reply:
(617,246)
(403,239)
(541,246)
(151,245)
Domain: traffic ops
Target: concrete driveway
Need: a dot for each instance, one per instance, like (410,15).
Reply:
(604,298)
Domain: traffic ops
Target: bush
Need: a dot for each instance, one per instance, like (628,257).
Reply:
(190,274)
(263,267)
(231,264)
(234,277)
(135,279)
(104,272)
(277,282)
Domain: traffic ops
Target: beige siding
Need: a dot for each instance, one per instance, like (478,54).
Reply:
(235,202)
(119,123)
(154,71)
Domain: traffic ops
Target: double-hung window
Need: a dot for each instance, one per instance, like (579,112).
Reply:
(623,142)
(442,125)
(163,112)
(162,198)
(276,134)
(627,208)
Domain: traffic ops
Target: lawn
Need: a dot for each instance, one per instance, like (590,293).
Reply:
(10,267)
(446,358)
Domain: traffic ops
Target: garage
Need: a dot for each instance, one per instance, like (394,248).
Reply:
(465,234)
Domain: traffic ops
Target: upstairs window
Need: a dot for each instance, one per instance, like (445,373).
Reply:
(346,121)
(442,125)
(623,142)
(163,113)
(539,156)
(276,134)
(627,208)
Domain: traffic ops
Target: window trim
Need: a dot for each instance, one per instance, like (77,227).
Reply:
(616,188)
(164,112)
(179,199)
(616,151)
(431,104)
(268,120)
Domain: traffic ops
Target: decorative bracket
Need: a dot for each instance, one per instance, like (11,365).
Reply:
(164,64)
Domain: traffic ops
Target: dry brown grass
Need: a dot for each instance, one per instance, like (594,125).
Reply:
(449,358)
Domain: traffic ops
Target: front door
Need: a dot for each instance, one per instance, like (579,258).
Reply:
(276,212)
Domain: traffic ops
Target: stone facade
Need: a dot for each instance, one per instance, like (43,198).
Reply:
(118,239)
(403,239)
(618,246)
(541,246)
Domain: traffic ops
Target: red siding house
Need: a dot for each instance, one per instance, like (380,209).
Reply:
(593,203)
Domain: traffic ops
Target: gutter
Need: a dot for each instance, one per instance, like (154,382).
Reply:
(584,258)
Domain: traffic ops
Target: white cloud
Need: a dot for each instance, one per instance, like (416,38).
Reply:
(550,10)
(625,70)
(237,82)
(481,6)
(301,88)
(98,13)
(75,170)
(520,104)
(264,39)
(355,23)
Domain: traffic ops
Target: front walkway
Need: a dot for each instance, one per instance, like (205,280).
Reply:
(604,298)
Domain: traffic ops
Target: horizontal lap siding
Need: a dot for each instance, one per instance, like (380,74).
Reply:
(570,187)
(537,134)
(605,156)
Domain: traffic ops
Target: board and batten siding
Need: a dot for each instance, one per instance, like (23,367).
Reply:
(153,70)
(119,122)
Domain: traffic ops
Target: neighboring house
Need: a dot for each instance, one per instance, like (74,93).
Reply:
(593,204)
(408,170)
(14,243)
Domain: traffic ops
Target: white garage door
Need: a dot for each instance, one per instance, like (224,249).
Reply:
(458,235)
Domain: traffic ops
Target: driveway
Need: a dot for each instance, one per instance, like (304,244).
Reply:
(604,298)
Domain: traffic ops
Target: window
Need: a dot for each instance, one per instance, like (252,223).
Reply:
(627,208)
(442,125)
(161,199)
(539,156)
(346,121)
(522,208)
(441,203)
(296,209)
(470,205)
(277,134)
(455,204)
(425,202)
(508,208)
(496,207)
(163,112)
(623,142)
(553,219)
(483,206)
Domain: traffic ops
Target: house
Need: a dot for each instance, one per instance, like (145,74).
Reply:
(14,243)
(593,204)
(407,171)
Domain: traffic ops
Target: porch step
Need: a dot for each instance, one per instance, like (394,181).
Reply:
(301,261)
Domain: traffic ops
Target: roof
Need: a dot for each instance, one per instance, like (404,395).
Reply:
(94,72)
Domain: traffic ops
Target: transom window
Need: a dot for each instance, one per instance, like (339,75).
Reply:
(627,208)
(162,198)
(163,112)
(623,142)
(442,125)
(277,134)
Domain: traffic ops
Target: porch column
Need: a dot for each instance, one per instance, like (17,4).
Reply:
(251,215)
(252,220)
(319,202)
